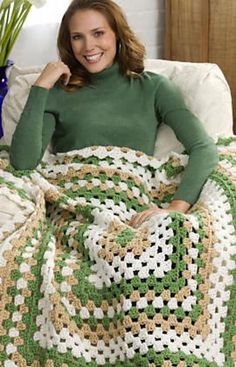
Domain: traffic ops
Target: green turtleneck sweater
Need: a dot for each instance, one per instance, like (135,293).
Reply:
(113,110)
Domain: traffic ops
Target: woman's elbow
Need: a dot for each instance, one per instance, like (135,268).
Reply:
(22,164)
(214,155)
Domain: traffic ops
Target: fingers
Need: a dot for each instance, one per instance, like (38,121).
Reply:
(67,77)
(66,73)
(140,218)
(61,69)
(52,72)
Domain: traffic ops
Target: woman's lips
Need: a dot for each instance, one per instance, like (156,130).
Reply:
(92,59)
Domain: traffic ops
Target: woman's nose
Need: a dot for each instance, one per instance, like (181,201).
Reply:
(89,44)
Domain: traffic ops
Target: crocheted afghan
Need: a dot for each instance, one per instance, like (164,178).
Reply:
(80,287)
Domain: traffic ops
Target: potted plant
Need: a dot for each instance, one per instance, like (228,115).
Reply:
(13,14)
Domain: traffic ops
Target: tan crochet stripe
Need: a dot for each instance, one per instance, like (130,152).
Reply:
(207,256)
(62,320)
(231,153)
(169,364)
(60,251)
(95,171)
(62,220)
(36,364)
(3,164)
(75,302)
(162,191)
(227,173)
(18,359)
(49,363)
(68,158)
(51,196)
(158,321)
(111,248)
(175,162)
(104,187)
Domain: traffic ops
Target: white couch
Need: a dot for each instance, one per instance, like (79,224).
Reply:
(203,85)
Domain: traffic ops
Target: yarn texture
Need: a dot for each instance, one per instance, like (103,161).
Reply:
(80,287)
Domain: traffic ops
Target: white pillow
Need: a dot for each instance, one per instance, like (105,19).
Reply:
(207,94)
(203,85)
(19,84)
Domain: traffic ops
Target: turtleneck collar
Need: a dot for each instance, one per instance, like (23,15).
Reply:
(108,74)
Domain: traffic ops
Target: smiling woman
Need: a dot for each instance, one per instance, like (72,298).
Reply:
(92,40)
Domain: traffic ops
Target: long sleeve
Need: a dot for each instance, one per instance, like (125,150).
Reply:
(190,132)
(33,132)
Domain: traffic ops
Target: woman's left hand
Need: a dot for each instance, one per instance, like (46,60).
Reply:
(175,206)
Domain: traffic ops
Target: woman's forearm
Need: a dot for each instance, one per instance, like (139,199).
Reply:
(32,132)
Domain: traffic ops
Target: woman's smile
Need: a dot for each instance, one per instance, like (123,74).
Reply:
(92,59)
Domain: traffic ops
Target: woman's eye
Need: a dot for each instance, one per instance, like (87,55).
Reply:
(76,37)
(98,33)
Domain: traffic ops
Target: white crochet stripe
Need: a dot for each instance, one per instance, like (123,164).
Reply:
(22,183)
(78,347)
(225,149)
(214,198)
(10,363)
(6,245)
(22,209)
(45,305)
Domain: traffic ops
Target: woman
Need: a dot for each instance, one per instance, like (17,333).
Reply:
(98,94)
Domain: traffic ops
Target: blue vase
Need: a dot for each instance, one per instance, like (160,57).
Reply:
(3,89)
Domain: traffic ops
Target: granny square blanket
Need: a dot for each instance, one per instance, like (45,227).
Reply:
(80,287)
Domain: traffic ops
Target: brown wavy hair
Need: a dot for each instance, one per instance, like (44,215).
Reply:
(130,51)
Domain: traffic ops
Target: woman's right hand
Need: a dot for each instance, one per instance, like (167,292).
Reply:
(51,73)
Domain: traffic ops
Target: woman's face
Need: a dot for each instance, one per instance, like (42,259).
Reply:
(92,39)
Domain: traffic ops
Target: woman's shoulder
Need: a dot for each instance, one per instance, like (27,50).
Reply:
(160,82)
(154,78)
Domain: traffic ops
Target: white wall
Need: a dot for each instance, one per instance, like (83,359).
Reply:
(146,17)
(36,43)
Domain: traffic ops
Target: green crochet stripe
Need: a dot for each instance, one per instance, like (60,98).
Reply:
(102,196)
(229,190)
(4,147)
(226,141)
(229,158)
(230,321)
(98,162)
(18,173)
(30,348)
(125,237)
(138,361)
(10,185)
(171,171)
(116,179)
